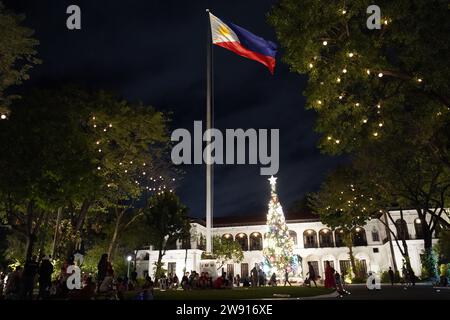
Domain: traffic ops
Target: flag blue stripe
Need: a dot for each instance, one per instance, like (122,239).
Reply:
(253,42)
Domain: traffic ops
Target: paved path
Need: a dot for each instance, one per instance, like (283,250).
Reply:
(396,292)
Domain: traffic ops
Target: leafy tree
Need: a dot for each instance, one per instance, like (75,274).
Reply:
(226,250)
(360,80)
(337,205)
(167,223)
(44,162)
(17,54)
(444,246)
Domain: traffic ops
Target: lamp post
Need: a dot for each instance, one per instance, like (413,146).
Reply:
(129,260)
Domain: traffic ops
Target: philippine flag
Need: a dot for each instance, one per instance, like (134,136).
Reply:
(243,42)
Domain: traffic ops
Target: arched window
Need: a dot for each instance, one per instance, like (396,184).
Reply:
(242,239)
(359,237)
(310,239)
(256,241)
(339,238)
(418,228)
(326,238)
(227,237)
(293,235)
(402,229)
(375,235)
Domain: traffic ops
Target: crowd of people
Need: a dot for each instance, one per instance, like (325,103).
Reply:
(20,283)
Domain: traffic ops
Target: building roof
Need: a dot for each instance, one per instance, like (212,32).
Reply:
(258,219)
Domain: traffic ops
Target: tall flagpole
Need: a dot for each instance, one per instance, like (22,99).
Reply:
(209,125)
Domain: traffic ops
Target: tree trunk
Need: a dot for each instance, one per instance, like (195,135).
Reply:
(31,240)
(158,265)
(114,237)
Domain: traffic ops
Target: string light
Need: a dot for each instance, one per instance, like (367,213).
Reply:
(319,102)
(379,106)
(357,104)
(344,70)
(380,124)
(325,43)
(338,141)
(419,80)
(375,134)
(364,120)
(3,117)
(351,54)
(368,71)
(98,168)
(340,97)
(338,80)
(344,11)
(311,65)
(329,138)
(380,75)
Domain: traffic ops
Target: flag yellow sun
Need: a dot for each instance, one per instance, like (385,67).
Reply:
(223,30)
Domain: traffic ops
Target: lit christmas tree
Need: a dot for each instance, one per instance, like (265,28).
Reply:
(278,245)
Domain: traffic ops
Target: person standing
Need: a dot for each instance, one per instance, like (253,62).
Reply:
(45,277)
(330,281)
(312,274)
(286,279)
(28,277)
(102,269)
(254,276)
(391,276)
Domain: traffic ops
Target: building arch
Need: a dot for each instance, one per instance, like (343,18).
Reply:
(402,229)
(359,237)
(326,238)
(293,235)
(310,238)
(256,241)
(339,238)
(418,228)
(242,240)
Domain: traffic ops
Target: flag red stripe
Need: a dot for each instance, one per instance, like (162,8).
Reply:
(237,48)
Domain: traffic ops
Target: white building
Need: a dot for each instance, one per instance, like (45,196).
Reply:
(313,240)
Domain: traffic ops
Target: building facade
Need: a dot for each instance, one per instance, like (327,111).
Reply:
(314,242)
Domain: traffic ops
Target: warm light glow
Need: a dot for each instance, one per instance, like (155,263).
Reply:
(129,258)
(319,102)
(325,231)
(375,134)
(344,70)
(380,75)
(357,104)
(325,43)
(3,117)
(227,236)
(340,97)
(379,106)
(419,80)
(311,65)
(309,232)
(329,138)
(241,235)
(344,11)
(368,71)
(418,221)
(98,168)
(364,120)
(351,54)
(338,80)
(380,124)
(338,141)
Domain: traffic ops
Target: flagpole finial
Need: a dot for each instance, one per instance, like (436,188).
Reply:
(207,10)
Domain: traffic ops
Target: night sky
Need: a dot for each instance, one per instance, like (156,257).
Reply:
(154,52)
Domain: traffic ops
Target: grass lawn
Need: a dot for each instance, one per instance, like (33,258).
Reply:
(240,293)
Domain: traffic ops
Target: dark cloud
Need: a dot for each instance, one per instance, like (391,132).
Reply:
(154,51)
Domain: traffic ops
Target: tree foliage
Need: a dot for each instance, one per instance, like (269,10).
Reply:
(167,223)
(227,250)
(17,54)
